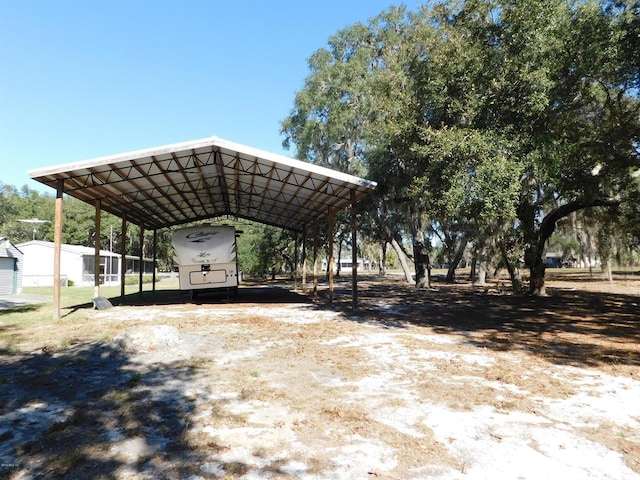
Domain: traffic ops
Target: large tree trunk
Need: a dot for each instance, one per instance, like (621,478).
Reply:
(339,267)
(607,266)
(403,260)
(483,260)
(514,272)
(533,254)
(383,259)
(472,272)
(423,269)
(391,238)
(537,270)
(481,277)
(451,273)
(421,262)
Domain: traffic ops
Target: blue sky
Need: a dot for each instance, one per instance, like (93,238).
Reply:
(83,79)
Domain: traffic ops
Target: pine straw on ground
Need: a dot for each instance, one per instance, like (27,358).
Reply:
(310,390)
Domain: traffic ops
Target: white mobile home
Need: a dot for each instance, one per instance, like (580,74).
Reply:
(76,265)
(11,266)
(363,264)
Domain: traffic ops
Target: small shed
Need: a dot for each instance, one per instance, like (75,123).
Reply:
(11,263)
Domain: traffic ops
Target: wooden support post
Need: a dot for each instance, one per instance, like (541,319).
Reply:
(141,261)
(96,254)
(295,262)
(330,253)
(123,260)
(155,258)
(57,249)
(304,259)
(315,259)
(354,254)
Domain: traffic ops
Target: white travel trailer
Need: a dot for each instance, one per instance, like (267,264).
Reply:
(206,257)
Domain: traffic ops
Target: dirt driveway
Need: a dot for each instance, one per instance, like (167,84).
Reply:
(454,383)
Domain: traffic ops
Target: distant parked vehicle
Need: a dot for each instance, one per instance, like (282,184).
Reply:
(206,258)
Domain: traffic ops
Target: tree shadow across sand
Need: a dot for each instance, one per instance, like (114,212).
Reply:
(247,294)
(89,412)
(66,414)
(569,327)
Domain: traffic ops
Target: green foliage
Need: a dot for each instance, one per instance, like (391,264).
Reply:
(25,204)
(78,218)
(263,249)
(78,224)
(488,120)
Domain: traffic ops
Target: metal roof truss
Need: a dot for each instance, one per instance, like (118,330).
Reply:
(204,179)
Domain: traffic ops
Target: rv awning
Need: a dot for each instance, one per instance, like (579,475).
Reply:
(201,179)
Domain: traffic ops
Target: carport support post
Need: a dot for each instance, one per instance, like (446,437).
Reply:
(96,254)
(155,259)
(57,249)
(304,259)
(354,253)
(295,262)
(330,253)
(123,259)
(141,262)
(315,259)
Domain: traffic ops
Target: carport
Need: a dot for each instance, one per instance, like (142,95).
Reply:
(202,179)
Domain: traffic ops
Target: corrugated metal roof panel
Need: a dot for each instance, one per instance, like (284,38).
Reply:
(202,179)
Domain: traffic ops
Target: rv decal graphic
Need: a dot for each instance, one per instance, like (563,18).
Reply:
(200,236)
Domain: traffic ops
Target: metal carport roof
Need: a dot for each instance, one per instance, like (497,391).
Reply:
(201,179)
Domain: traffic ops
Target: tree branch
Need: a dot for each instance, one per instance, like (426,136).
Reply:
(548,225)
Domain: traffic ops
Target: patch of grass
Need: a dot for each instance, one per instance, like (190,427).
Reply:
(345,413)
(135,280)
(135,379)
(194,365)
(119,397)
(65,461)
(235,468)
(35,324)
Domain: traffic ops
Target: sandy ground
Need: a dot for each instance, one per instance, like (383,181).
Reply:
(305,391)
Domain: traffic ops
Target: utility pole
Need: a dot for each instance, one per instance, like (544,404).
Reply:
(35,222)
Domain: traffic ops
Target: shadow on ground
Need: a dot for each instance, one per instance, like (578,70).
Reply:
(64,413)
(567,327)
(19,308)
(89,411)
(246,294)
(571,327)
